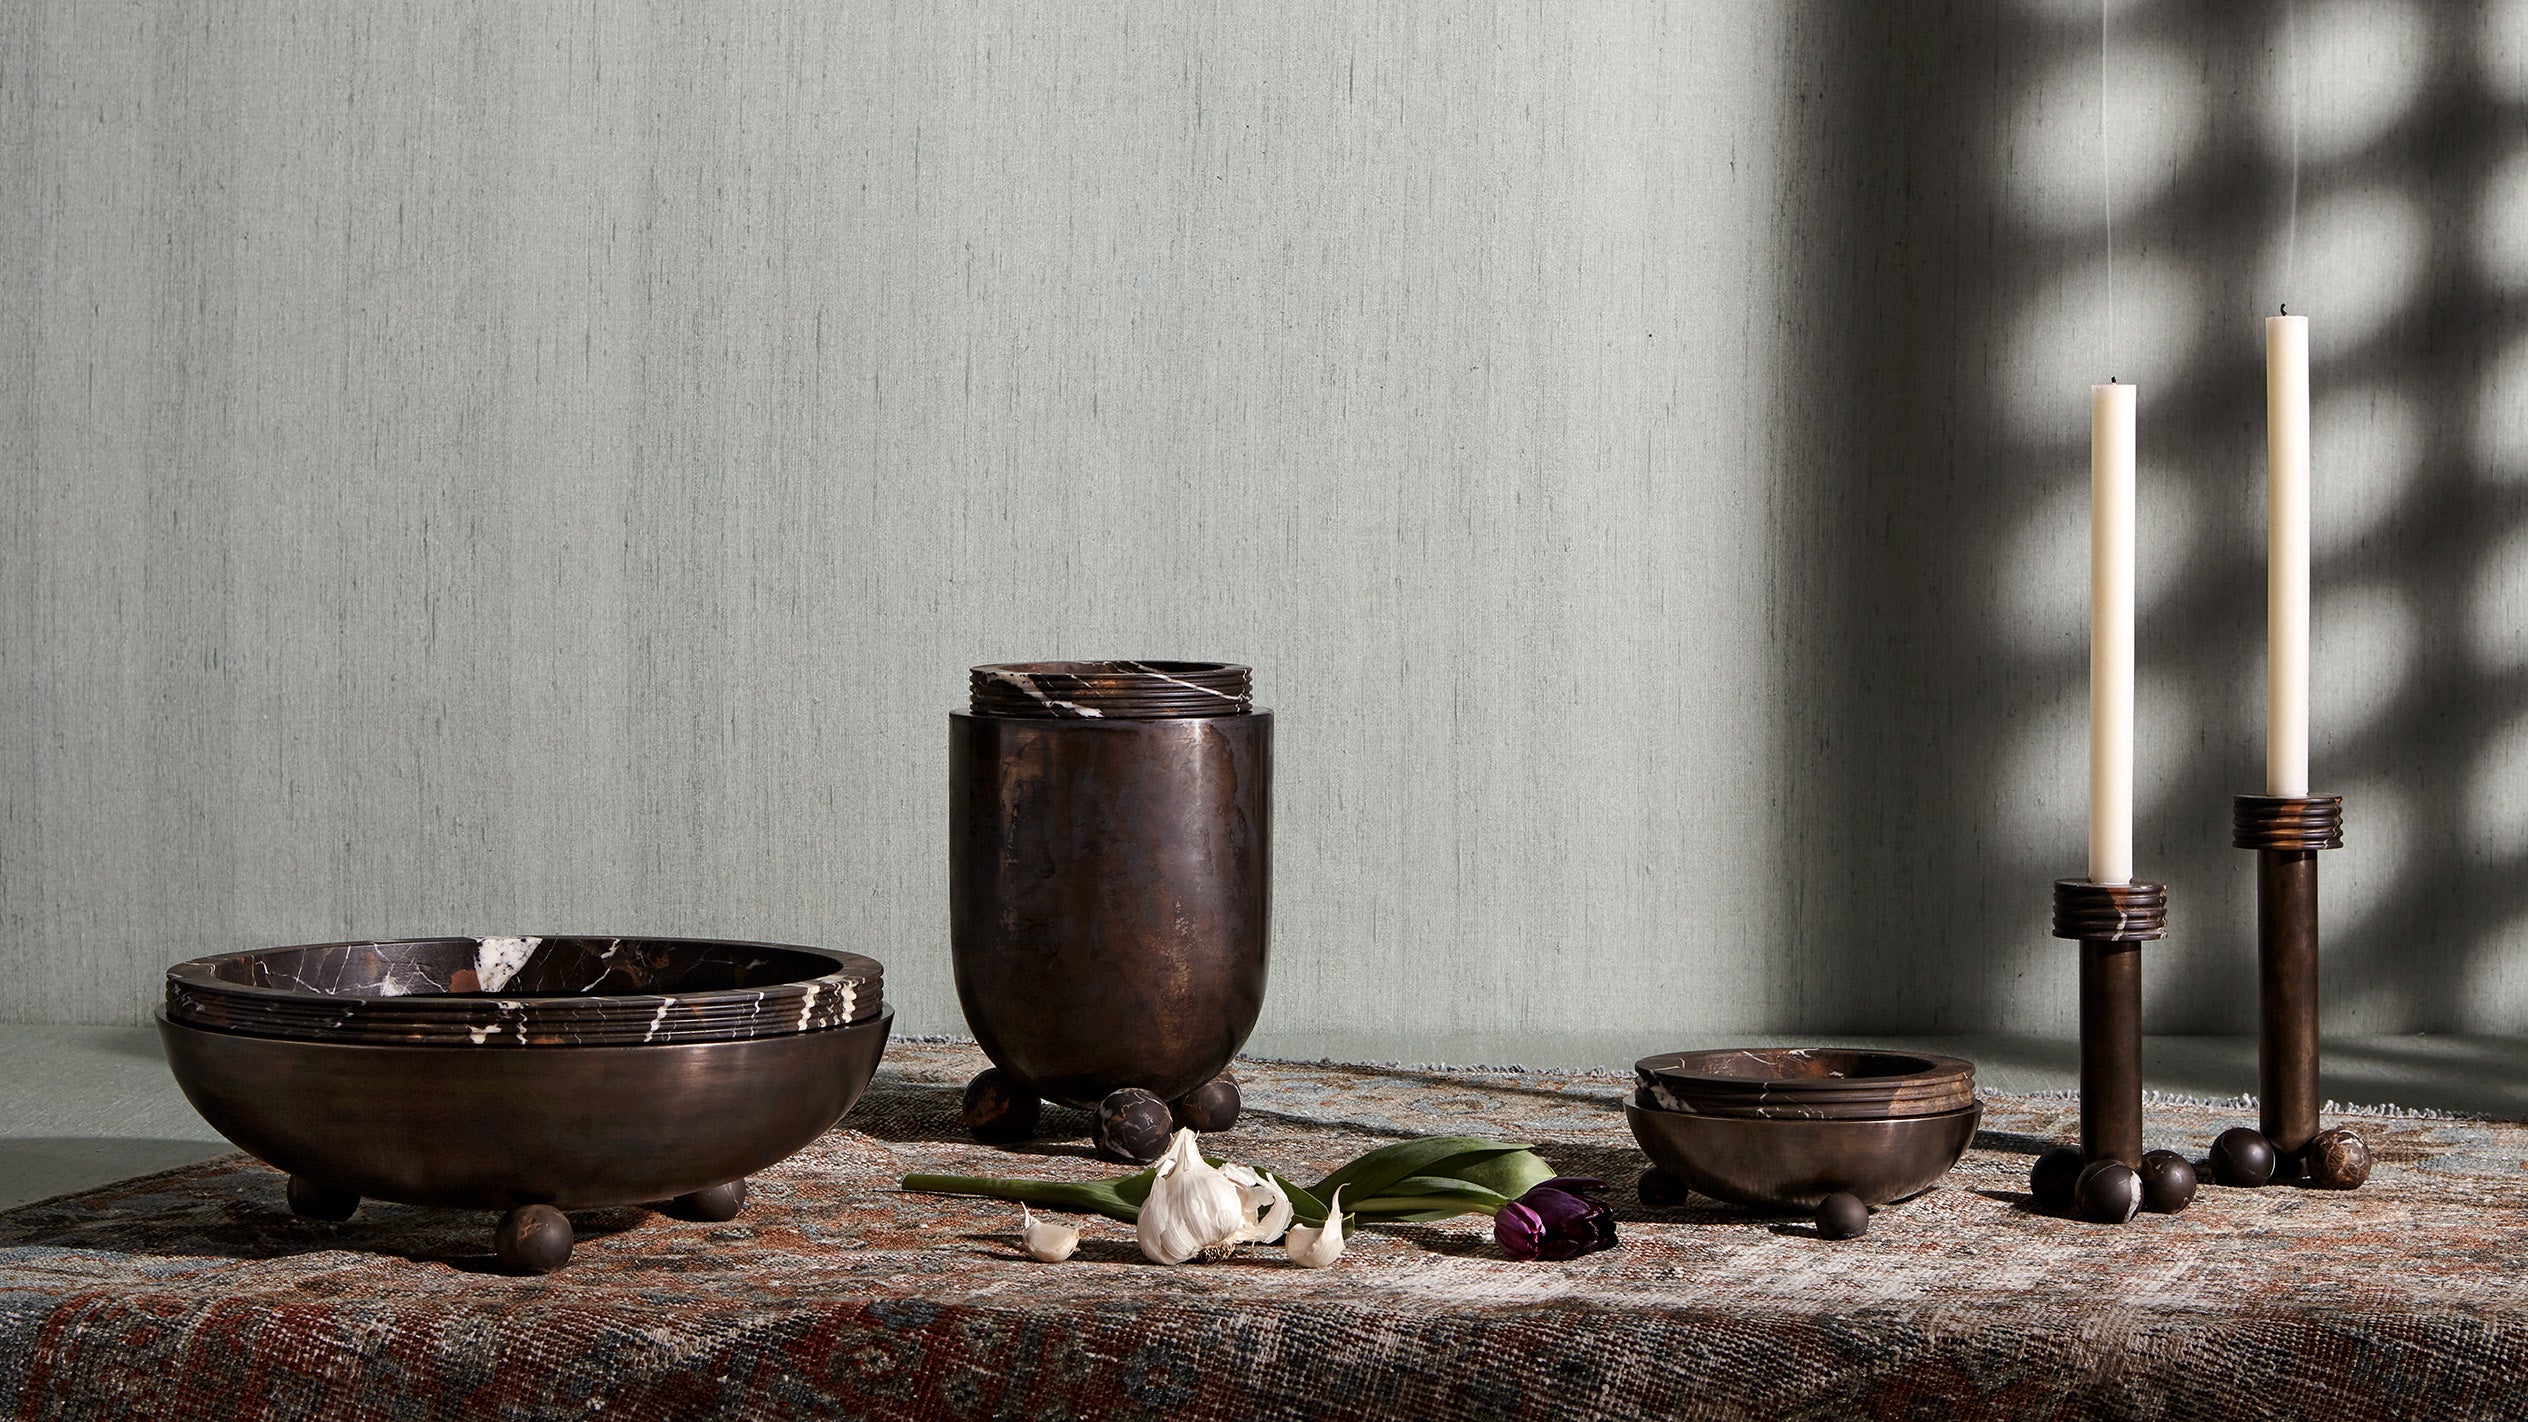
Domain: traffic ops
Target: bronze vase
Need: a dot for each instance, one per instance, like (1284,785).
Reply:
(1109,881)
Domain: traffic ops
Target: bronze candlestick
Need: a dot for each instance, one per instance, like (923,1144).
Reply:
(2286,831)
(2112,921)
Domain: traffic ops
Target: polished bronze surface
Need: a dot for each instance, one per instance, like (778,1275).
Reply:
(1212,1106)
(1804,1083)
(1108,890)
(2052,1176)
(311,1201)
(2168,1182)
(2107,1192)
(2112,921)
(2111,1051)
(2242,1158)
(574,1127)
(997,1110)
(2286,832)
(1793,1165)
(533,1239)
(714,1204)
(1841,1216)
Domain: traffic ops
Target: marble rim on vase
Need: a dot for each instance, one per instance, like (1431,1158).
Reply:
(1120,690)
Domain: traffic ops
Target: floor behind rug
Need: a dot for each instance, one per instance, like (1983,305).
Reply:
(195,1293)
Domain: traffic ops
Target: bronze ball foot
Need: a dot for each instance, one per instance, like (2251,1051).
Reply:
(1132,1127)
(311,1201)
(1212,1106)
(533,1239)
(714,1204)
(999,1108)
(2337,1160)
(1658,1190)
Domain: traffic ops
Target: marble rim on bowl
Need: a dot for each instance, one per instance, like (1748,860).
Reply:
(854,990)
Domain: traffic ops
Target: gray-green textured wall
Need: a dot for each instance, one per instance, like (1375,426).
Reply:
(534,468)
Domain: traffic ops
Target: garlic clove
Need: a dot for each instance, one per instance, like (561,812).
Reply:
(1259,1192)
(1316,1248)
(1044,1240)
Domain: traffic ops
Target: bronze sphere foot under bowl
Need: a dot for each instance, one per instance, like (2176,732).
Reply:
(1109,876)
(528,1075)
(1780,1128)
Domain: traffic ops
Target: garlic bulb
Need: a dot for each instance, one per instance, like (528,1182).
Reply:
(1044,1240)
(1194,1209)
(1316,1248)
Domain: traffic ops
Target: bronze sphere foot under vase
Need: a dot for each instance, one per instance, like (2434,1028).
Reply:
(1109,876)
(2111,922)
(534,1133)
(1131,1125)
(2286,832)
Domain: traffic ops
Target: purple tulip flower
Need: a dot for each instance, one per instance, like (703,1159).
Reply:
(1555,1221)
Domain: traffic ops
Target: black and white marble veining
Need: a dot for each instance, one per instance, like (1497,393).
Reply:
(1121,690)
(523,991)
(1026,686)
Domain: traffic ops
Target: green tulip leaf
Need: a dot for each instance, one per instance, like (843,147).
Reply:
(1437,1155)
(1305,1207)
(1508,1175)
(1417,1195)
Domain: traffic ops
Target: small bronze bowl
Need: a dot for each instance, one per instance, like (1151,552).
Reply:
(1790,1165)
(1804,1083)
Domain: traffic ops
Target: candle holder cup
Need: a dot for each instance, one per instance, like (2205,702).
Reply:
(2286,832)
(2111,922)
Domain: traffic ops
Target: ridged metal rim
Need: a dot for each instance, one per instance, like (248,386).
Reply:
(2110,913)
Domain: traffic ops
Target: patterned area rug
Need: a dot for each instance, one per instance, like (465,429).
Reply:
(195,1294)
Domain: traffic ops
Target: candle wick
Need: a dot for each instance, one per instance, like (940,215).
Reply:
(2286,308)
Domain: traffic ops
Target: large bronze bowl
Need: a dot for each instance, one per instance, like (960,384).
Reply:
(532,1132)
(1108,889)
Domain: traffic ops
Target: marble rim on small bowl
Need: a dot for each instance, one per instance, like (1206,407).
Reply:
(1854,1084)
(1656,1097)
(1693,1071)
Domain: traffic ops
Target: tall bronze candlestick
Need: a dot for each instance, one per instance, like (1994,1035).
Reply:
(2286,831)
(2112,921)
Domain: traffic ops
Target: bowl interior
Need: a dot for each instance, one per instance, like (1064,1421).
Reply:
(524,967)
(1795,1068)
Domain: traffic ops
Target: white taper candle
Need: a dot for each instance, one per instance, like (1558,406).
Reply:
(2287,555)
(2111,421)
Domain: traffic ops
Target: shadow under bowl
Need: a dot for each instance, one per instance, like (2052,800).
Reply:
(569,1126)
(1790,1165)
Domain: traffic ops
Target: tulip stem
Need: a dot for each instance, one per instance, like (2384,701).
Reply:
(1099,1197)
